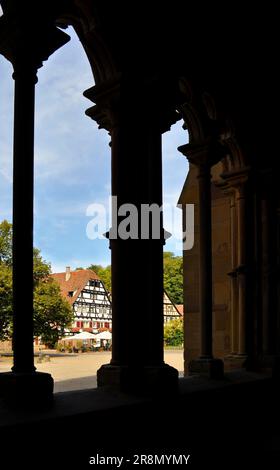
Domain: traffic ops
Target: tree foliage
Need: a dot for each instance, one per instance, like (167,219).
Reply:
(173,276)
(6,293)
(41,269)
(174,332)
(104,274)
(6,234)
(52,314)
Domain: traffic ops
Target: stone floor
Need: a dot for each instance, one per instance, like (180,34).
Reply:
(77,372)
(228,423)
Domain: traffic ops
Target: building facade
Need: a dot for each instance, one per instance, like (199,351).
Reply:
(170,310)
(88,297)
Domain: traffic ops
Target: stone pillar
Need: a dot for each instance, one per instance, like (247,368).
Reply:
(241,269)
(137,258)
(236,184)
(24,386)
(202,157)
(230,191)
(232,274)
(25,76)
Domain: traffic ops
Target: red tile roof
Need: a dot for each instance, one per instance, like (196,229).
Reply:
(180,308)
(76,283)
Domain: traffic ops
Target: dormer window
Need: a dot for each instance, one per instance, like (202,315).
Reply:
(70,293)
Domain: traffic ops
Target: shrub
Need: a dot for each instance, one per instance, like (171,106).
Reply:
(174,332)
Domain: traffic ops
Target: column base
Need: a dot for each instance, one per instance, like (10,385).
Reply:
(235,361)
(139,380)
(26,390)
(207,367)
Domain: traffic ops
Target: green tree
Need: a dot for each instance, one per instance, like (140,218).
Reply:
(174,332)
(6,233)
(41,269)
(6,311)
(104,273)
(173,276)
(52,314)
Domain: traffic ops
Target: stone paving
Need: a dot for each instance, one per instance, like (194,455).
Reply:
(75,372)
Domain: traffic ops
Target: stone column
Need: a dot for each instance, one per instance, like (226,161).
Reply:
(25,76)
(240,200)
(241,269)
(25,386)
(236,183)
(232,274)
(202,157)
(137,258)
(230,191)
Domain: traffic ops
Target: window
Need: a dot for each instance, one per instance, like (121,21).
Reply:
(70,293)
(94,283)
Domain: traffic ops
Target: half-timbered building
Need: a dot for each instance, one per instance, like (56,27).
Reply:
(170,310)
(87,294)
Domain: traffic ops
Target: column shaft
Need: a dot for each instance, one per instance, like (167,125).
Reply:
(205,260)
(241,269)
(233,280)
(25,79)
(137,264)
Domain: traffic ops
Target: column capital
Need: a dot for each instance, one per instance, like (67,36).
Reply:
(106,111)
(203,155)
(26,46)
(124,100)
(236,179)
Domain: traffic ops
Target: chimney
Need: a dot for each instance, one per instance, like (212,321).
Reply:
(67,273)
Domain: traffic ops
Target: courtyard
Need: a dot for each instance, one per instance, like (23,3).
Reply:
(78,371)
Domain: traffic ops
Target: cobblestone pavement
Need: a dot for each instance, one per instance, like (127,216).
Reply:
(79,371)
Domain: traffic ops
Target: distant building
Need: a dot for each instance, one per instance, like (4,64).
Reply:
(87,294)
(170,310)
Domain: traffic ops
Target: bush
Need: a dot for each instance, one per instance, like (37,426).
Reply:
(60,347)
(174,332)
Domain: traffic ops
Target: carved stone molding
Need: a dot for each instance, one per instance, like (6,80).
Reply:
(27,46)
(203,155)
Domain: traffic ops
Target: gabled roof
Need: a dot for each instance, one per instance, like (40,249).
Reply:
(166,296)
(180,308)
(76,283)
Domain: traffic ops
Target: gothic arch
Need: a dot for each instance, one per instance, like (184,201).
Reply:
(84,18)
(205,123)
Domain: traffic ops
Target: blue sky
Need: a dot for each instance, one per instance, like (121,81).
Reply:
(72,161)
